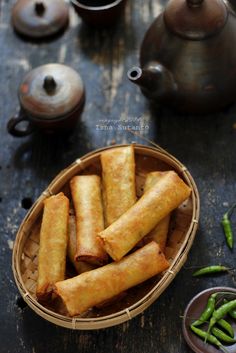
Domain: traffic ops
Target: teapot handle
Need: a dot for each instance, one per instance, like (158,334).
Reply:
(14,121)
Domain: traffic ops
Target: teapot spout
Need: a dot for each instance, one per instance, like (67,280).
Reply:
(155,81)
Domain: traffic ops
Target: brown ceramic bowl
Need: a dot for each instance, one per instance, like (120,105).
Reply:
(99,16)
(193,312)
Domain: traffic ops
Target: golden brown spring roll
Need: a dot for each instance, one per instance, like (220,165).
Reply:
(91,288)
(80,266)
(152,178)
(86,195)
(111,301)
(118,175)
(53,243)
(160,232)
(122,235)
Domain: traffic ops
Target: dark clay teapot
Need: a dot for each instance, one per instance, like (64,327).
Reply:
(188,56)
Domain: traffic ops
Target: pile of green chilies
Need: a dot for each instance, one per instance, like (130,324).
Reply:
(229,237)
(219,330)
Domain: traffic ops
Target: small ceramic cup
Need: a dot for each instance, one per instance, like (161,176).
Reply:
(99,13)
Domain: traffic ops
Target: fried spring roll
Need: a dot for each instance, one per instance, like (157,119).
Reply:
(162,198)
(111,301)
(91,288)
(53,243)
(86,195)
(152,178)
(80,266)
(118,175)
(160,232)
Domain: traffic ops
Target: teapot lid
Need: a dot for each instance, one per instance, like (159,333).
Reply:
(51,91)
(39,18)
(195,19)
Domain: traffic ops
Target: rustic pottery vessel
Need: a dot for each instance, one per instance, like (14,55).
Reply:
(194,309)
(52,98)
(39,18)
(99,13)
(188,56)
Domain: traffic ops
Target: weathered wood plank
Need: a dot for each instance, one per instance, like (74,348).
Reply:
(205,145)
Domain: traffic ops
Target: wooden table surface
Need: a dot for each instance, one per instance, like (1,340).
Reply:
(206,145)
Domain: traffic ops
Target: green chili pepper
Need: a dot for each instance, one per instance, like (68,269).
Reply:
(222,336)
(210,269)
(210,338)
(226,326)
(206,314)
(231,313)
(221,312)
(226,224)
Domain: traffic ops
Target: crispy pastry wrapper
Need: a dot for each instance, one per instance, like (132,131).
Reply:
(97,286)
(80,266)
(87,200)
(162,198)
(160,232)
(118,175)
(53,243)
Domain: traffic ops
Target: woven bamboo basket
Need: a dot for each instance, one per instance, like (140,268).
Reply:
(180,238)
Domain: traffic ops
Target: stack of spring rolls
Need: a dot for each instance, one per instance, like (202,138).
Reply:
(114,241)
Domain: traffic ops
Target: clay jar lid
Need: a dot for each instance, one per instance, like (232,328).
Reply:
(51,91)
(38,19)
(195,19)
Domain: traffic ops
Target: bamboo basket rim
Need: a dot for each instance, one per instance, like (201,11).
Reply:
(136,308)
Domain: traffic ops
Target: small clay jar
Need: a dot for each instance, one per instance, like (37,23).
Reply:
(52,98)
(40,18)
